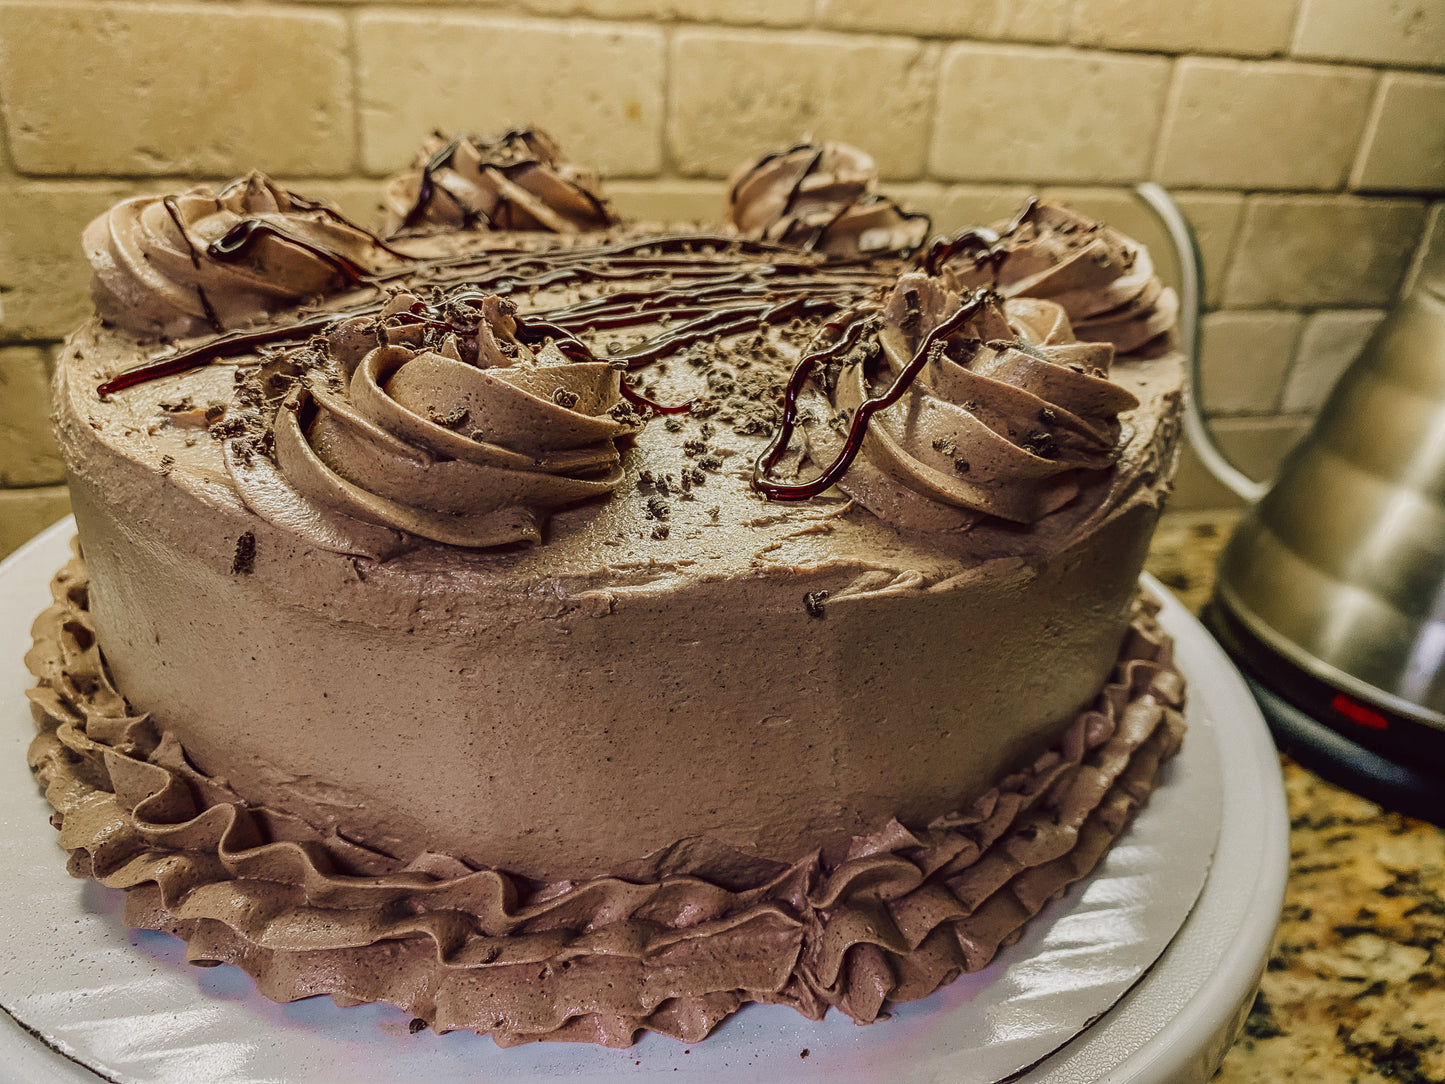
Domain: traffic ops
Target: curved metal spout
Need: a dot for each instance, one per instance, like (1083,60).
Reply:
(1191,280)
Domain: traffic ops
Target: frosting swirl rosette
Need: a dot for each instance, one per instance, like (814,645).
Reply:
(821,198)
(199,262)
(1104,280)
(515,181)
(471,441)
(1003,416)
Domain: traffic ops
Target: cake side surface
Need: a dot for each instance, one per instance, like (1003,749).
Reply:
(602,719)
(674,947)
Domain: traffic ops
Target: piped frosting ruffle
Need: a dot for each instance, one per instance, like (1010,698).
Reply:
(889,918)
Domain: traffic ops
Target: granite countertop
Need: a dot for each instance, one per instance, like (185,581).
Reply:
(1355,986)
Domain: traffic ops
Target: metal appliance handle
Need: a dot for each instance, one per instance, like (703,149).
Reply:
(1191,278)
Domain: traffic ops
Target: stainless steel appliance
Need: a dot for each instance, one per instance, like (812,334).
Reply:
(1331,593)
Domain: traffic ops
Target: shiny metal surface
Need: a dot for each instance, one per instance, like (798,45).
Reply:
(1340,567)
(1190,269)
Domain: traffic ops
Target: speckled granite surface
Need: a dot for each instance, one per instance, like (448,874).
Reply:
(1355,988)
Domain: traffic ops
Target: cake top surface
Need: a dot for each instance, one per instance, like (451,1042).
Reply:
(511,381)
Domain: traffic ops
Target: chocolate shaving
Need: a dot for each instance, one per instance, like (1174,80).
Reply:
(244,561)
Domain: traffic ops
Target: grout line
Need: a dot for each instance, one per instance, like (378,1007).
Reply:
(1434,224)
(353,62)
(1367,134)
(1296,27)
(666,159)
(7,154)
(1277,403)
(1167,114)
(930,61)
(932,135)
(1231,250)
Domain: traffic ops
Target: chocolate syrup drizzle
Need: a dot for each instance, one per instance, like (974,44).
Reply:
(232,344)
(237,242)
(843,334)
(820,230)
(984,245)
(719,297)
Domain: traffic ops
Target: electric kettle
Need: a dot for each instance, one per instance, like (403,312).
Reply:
(1330,595)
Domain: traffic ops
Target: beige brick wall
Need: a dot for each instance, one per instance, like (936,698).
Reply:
(1303,138)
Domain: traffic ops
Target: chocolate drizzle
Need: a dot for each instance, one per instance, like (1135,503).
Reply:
(984,245)
(821,198)
(230,345)
(237,243)
(845,334)
(198,262)
(174,210)
(720,297)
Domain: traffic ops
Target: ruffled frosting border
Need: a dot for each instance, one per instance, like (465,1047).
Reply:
(890,919)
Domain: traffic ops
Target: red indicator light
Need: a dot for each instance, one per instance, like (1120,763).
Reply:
(1357,713)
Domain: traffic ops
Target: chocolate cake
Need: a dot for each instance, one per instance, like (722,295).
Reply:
(561,628)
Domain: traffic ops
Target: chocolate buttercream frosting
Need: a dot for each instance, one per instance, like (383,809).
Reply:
(514,181)
(1104,280)
(203,261)
(466,440)
(693,934)
(821,198)
(993,409)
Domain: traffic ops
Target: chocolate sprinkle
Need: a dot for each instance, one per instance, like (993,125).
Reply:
(244,562)
(1042,445)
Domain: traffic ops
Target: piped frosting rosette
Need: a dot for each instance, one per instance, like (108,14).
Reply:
(1006,415)
(408,442)
(204,262)
(1104,280)
(676,947)
(821,198)
(515,181)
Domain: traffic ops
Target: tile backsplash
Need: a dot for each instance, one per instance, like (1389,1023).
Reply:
(1305,139)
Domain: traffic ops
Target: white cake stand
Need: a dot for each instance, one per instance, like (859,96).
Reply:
(1143,972)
